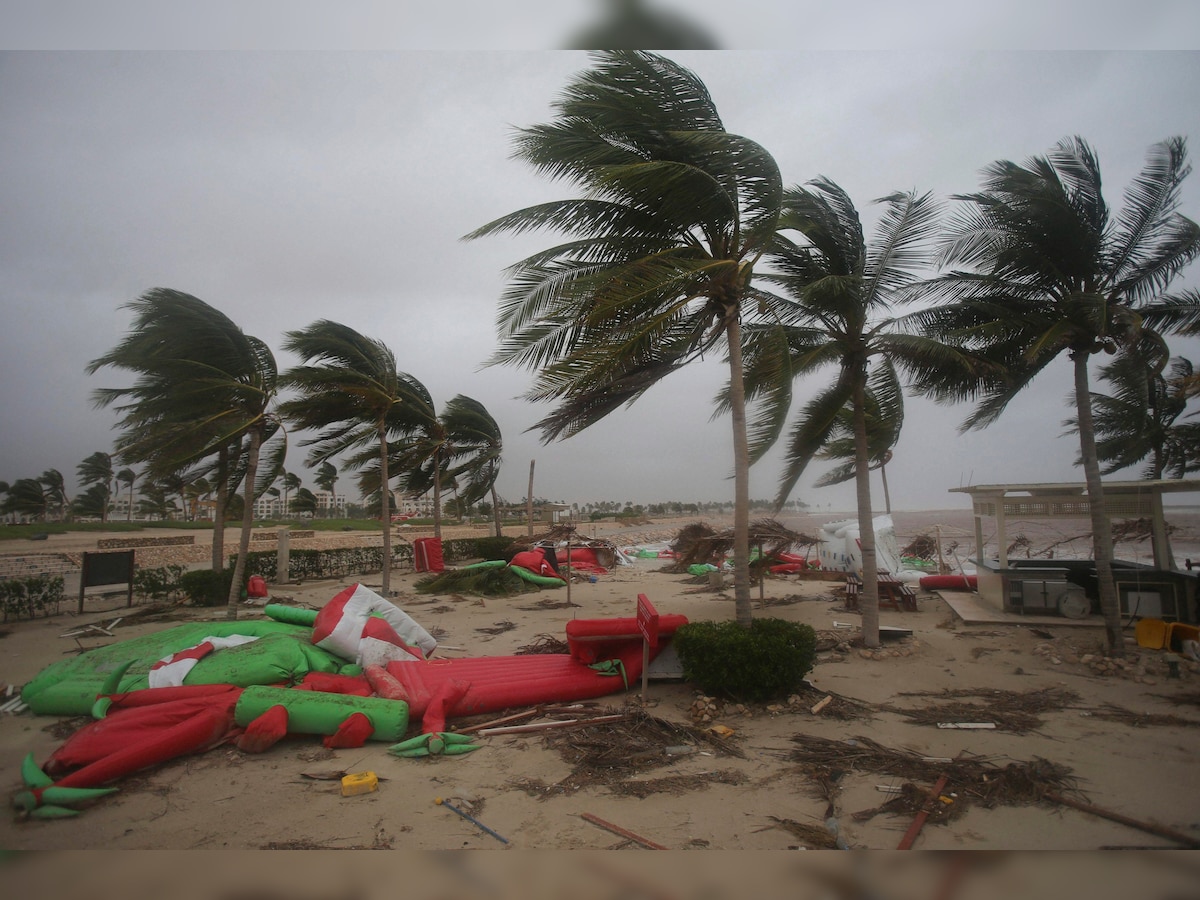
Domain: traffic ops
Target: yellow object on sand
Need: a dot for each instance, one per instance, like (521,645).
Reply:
(1151,633)
(359,783)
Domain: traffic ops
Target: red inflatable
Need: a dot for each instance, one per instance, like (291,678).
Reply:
(605,657)
(949,582)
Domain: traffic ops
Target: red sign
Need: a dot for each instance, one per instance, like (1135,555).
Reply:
(647,620)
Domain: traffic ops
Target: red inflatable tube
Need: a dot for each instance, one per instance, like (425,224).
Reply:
(500,682)
(589,640)
(949,582)
(160,695)
(131,740)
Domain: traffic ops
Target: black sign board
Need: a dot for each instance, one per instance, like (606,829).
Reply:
(107,568)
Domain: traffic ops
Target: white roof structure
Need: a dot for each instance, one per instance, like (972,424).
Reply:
(1122,500)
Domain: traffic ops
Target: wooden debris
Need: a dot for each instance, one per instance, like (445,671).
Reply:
(622,832)
(821,704)
(1170,833)
(548,726)
(914,829)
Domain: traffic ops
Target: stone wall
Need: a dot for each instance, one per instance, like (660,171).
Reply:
(122,543)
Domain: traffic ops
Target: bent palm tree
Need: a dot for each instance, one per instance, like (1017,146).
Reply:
(1045,270)
(840,289)
(675,213)
(97,471)
(128,477)
(1139,421)
(203,387)
(326,479)
(350,390)
(883,403)
(476,448)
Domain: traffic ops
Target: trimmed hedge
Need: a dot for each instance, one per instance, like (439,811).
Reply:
(30,596)
(767,661)
(204,587)
(162,583)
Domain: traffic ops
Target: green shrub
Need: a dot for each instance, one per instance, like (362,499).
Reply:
(158,584)
(204,587)
(29,596)
(765,662)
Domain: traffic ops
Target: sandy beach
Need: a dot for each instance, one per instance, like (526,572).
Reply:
(1122,739)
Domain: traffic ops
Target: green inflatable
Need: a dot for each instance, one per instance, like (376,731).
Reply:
(314,712)
(281,653)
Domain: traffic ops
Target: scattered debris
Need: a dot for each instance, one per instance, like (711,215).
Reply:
(622,832)
(470,818)
(498,628)
(814,837)
(927,808)
(1012,711)
(543,643)
(1113,713)
(973,778)
(1170,833)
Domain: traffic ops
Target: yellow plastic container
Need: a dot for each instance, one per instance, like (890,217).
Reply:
(1151,633)
(359,783)
(1178,632)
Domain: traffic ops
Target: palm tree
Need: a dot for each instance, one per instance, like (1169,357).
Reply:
(305,501)
(97,471)
(675,213)
(462,443)
(1045,270)
(477,449)
(326,478)
(884,409)
(1139,421)
(841,290)
(204,389)
(349,388)
(56,492)
(27,497)
(127,477)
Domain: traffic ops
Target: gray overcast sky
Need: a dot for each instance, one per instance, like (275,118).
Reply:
(282,186)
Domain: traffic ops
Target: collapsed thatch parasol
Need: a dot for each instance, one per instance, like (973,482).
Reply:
(700,544)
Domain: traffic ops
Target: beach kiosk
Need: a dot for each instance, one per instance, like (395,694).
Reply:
(1161,590)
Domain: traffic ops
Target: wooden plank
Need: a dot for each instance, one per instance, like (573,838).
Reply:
(914,829)
(623,832)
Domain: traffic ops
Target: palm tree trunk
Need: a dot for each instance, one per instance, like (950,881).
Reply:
(741,477)
(385,513)
(869,602)
(239,568)
(437,494)
(1102,543)
(218,539)
(496,508)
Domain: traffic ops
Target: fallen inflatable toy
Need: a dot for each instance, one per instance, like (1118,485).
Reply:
(254,682)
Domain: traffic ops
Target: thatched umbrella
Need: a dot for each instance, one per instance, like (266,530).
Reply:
(698,543)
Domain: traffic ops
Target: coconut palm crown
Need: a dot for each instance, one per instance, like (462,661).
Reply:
(839,291)
(659,250)
(1042,268)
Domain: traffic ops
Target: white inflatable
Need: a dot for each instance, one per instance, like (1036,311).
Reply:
(839,549)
